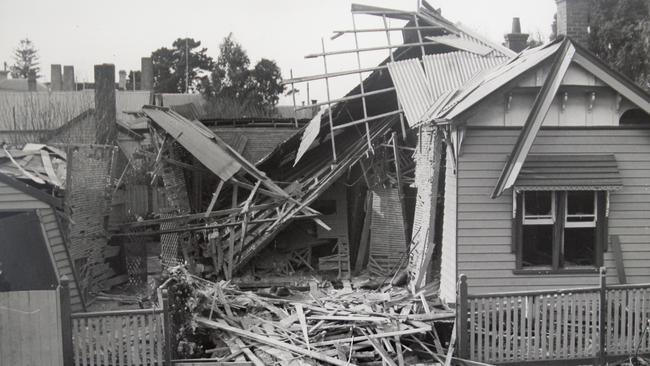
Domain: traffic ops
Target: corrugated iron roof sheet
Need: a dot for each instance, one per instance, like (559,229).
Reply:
(473,92)
(449,71)
(413,90)
(418,90)
(463,43)
(569,172)
(199,141)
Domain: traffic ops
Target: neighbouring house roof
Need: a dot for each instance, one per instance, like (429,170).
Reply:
(174,99)
(553,172)
(287,111)
(254,143)
(19,85)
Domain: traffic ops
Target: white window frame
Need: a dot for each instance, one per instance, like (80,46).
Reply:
(538,219)
(580,224)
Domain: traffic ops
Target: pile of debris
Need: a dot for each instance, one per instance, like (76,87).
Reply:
(323,326)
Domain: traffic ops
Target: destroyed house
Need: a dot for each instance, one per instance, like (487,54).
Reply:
(342,195)
(546,174)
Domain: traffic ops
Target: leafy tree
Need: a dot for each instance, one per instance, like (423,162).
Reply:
(235,89)
(169,66)
(620,35)
(26,60)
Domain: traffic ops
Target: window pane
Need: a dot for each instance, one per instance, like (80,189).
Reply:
(579,246)
(537,245)
(580,206)
(538,203)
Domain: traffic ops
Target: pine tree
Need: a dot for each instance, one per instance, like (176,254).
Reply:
(26,60)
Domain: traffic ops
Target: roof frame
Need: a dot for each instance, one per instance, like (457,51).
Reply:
(535,118)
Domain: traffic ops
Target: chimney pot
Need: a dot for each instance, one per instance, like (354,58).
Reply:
(516,40)
(516,25)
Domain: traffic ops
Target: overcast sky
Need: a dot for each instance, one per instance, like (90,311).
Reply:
(87,32)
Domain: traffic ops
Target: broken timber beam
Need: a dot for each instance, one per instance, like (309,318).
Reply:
(272,342)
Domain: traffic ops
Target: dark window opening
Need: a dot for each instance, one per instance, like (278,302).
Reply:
(579,247)
(634,116)
(26,262)
(560,230)
(538,250)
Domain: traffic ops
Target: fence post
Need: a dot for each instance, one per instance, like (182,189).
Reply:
(461,318)
(66,322)
(603,317)
(167,324)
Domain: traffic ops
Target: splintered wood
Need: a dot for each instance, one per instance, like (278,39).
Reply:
(323,326)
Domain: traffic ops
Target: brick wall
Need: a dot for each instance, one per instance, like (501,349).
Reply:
(573,19)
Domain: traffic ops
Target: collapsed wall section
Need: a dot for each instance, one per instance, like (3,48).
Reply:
(427,162)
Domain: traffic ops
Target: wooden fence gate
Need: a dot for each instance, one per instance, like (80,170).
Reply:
(572,326)
(30,328)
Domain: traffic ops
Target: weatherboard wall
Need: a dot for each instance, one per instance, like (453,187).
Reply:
(484,224)
(12,199)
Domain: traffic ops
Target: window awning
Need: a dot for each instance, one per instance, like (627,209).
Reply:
(554,172)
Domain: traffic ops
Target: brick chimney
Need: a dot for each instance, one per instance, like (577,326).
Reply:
(122,80)
(56,82)
(573,19)
(105,113)
(68,78)
(31,81)
(146,81)
(515,40)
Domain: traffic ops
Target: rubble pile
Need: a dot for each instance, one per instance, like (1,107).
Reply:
(323,326)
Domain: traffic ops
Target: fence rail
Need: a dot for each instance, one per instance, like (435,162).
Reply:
(593,323)
(126,337)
